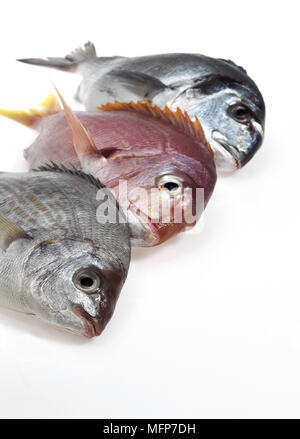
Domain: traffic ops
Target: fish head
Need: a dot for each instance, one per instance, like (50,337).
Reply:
(73,285)
(161,176)
(233,127)
(167,195)
(231,110)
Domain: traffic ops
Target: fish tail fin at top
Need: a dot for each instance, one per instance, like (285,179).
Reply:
(69,62)
(32,116)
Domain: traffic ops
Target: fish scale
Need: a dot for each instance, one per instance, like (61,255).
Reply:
(35,202)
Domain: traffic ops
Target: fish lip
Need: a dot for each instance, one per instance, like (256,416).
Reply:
(92,325)
(231,149)
(146,222)
(155,229)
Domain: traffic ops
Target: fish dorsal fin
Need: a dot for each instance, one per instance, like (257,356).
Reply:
(62,169)
(82,141)
(30,117)
(178,119)
(9,232)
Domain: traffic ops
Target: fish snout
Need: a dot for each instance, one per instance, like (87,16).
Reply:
(92,325)
(227,156)
(257,137)
(230,156)
(166,231)
(158,230)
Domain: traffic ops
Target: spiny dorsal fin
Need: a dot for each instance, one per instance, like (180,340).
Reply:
(9,232)
(83,143)
(53,167)
(177,118)
(31,116)
(82,54)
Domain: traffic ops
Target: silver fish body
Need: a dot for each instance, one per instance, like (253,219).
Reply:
(67,267)
(219,93)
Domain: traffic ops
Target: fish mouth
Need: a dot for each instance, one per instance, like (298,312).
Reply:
(227,151)
(143,230)
(158,231)
(92,325)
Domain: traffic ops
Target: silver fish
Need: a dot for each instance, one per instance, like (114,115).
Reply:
(59,259)
(224,98)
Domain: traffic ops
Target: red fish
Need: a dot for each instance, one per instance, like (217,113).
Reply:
(162,154)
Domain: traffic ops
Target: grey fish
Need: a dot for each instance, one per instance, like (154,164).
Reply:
(59,259)
(224,98)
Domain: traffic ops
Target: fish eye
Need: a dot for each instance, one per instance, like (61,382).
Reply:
(239,112)
(171,184)
(87,281)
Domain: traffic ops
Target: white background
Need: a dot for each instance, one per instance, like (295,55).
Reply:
(208,325)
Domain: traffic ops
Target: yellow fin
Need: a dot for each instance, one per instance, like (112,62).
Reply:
(30,117)
(51,104)
(177,118)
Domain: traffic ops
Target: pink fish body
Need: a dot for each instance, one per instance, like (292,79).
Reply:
(149,148)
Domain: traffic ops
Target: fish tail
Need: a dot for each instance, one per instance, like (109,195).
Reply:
(32,116)
(69,62)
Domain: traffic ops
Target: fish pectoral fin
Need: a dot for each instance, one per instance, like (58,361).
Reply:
(9,232)
(140,83)
(30,117)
